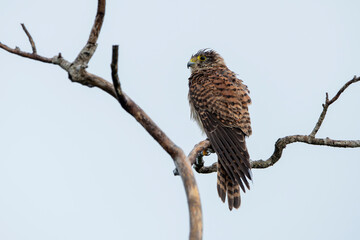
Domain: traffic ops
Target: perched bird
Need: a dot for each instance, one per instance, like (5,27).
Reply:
(219,103)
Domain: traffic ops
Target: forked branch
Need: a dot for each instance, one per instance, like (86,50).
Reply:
(328,103)
(281,143)
(181,161)
(32,43)
(77,73)
(32,55)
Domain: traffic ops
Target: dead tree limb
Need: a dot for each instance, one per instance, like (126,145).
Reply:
(328,103)
(281,143)
(32,43)
(77,73)
(33,56)
(181,161)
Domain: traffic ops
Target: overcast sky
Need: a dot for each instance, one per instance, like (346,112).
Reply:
(74,165)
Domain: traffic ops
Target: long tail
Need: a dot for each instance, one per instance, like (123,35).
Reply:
(234,168)
(225,186)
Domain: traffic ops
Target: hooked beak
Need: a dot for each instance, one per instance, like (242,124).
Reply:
(190,64)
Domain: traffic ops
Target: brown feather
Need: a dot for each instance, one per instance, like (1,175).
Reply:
(228,149)
(237,198)
(230,193)
(219,103)
(221,182)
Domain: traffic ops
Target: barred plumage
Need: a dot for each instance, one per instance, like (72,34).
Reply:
(219,103)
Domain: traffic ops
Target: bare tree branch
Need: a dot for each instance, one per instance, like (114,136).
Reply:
(32,43)
(181,161)
(328,103)
(198,148)
(18,52)
(88,51)
(206,169)
(32,55)
(77,73)
(99,19)
(354,80)
(281,143)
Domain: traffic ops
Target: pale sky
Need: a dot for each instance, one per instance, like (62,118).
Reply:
(74,165)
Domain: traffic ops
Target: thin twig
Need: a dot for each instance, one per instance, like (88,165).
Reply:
(114,72)
(32,43)
(32,56)
(329,102)
(354,80)
(322,116)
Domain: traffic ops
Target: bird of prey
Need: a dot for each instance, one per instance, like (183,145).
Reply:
(219,103)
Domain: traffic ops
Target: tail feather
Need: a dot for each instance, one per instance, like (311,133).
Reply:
(230,194)
(226,186)
(221,182)
(237,198)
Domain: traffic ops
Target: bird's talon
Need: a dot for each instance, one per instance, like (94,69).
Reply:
(205,152)
(199,161)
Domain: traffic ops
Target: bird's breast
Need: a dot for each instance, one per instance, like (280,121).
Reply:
(194,114)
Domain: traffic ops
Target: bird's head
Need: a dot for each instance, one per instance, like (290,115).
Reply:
(204,59)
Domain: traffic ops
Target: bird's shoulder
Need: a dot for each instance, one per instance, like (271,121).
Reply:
(217,78)
(220,83)
(220,93)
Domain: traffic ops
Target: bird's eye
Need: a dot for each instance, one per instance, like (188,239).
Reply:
(201,58)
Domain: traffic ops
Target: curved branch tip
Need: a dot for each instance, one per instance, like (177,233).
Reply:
(281,143)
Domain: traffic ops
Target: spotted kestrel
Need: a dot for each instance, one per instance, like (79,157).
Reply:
(219,103)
